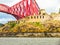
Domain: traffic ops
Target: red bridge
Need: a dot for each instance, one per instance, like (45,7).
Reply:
(21,9)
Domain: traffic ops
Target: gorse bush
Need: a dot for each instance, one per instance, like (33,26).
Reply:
(48,26)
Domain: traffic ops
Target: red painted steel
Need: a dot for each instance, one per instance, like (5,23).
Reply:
(3,8)
(21,9)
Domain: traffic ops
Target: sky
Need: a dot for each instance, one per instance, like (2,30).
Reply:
(48,5)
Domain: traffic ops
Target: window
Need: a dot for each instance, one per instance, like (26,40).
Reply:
(43,16)
(40,16)
(31,17)
(34,17)
(43,13)
(37,17)
(39,12)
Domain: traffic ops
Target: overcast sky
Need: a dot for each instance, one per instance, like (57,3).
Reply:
(48,5)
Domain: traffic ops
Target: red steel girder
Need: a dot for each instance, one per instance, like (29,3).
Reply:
(21,9)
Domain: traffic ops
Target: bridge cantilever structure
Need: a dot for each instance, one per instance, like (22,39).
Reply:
(21,9)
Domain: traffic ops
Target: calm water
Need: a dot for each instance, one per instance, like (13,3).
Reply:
(29,41)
